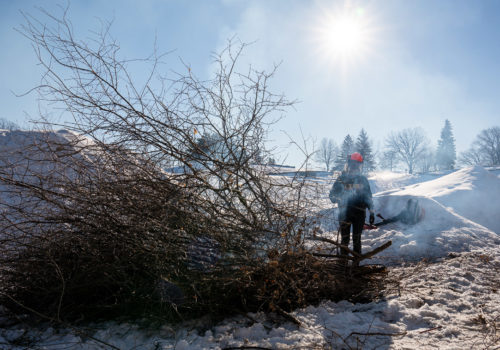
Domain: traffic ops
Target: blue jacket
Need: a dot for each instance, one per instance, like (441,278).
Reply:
(353,195)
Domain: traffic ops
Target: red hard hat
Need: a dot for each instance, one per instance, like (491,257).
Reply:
(357,157)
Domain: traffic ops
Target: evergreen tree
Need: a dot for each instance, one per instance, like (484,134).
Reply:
(446,154)
(346,150)
(363,146)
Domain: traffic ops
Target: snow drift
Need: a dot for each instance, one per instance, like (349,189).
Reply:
(440,232)
(473,193)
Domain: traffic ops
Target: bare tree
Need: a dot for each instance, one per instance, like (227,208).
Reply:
(485,149)
(388,160)
(327,153)
(219,200)
(408,144)
(427,161)
(473,156)
(8,125)
(488,142)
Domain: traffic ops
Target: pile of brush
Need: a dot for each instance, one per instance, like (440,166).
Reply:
(301,278)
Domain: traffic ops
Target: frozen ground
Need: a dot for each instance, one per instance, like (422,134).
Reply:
(443,292)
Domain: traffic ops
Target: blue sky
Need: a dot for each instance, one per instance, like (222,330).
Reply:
(421,62)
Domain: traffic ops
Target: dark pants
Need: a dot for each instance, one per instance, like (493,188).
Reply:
(357,222)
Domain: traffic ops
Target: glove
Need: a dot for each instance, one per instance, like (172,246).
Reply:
(372,218)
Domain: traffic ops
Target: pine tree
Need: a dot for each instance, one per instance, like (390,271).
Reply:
(446,154)
(363,146)
(346,149)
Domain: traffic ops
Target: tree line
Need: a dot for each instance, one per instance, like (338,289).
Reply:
(6,124)
(410,149)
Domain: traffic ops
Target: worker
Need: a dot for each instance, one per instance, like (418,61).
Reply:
(351,191)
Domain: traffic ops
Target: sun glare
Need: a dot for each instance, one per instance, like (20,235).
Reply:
(344,36)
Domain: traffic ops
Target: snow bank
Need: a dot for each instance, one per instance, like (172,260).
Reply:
(440,232)
(27,156)
(24,153)
(19,140)
(473,193)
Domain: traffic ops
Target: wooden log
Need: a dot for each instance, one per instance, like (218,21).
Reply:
(357,257)
(321,255)
(375,251)
(322,239)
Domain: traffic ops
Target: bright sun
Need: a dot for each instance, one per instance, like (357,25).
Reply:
(344,36)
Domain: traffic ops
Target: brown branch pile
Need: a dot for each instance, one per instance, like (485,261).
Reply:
(299,279)
(157,203)
(101,234)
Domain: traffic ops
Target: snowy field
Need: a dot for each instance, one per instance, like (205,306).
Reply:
(443,290)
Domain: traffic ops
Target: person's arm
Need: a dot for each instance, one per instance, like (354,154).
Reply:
(367,194)
(369,200)
(336,191)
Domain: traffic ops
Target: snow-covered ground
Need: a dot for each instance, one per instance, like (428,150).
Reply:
(443,293)
(453,304)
